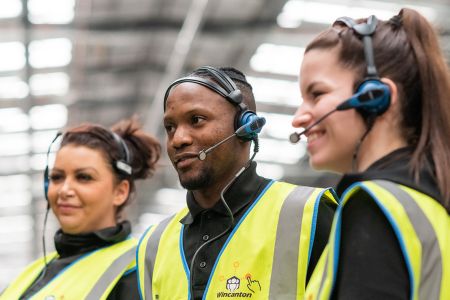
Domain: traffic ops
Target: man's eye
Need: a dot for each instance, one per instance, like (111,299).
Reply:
(169,128)
(197,119)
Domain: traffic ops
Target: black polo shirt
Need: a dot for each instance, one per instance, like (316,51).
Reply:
(201,225)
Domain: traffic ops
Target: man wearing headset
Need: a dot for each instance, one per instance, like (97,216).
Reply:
(241,235)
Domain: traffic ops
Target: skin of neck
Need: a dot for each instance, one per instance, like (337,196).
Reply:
(377,144)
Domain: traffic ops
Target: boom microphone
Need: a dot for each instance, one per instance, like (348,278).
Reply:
(358,100)
(295,136)
(251,128)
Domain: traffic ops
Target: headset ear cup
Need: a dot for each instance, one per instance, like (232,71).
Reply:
(46,183)
(235,97)
(373,97)
(244,118)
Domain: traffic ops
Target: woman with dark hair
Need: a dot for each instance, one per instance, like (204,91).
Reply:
(391,140)
(90,183)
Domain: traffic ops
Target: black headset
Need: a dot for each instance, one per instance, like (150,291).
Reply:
(227,88)
(372,97)
(122,165)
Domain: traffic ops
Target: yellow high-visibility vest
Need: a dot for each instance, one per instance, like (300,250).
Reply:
(90,277)
(422,227)
(265,256)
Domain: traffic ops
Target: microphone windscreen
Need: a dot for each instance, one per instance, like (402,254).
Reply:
(294,138)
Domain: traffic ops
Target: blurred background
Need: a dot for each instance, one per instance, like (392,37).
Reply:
(63,62)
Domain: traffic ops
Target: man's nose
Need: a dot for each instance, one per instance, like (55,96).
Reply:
(181,137)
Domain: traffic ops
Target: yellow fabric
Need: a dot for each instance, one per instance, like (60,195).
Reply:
(305,237)
(141,256)
(168,264)
(74,282)
(246,261)
(320,284)
(440,221)
(313,287)
(254,239)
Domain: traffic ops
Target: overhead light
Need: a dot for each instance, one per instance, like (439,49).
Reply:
(51,11)
(275,91)
(10,9)
(279,59)
(296,11)
(50,53)
(50,84)
(48,116)
(13,120)
(12,87)
(12,56)
(14,144)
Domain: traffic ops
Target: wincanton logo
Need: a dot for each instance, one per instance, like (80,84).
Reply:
(234,283)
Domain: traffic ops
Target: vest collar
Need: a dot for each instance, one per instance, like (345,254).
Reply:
(237,196)
(395,167)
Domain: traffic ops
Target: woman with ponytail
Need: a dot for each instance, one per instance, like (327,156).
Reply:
(387,85)
(92,180)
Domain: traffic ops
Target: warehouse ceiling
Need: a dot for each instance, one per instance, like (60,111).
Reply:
(63,62)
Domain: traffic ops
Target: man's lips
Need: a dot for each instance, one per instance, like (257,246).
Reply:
(184,159)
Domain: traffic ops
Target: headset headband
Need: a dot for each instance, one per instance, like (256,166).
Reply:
(225,86)
(366,30)
(123,165)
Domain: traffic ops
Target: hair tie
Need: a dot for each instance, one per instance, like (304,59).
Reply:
(396,21)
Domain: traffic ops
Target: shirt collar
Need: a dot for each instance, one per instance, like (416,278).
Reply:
(237,196)
(395,167)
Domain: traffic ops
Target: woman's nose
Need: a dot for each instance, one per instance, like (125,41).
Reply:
(301,118)
(66,189)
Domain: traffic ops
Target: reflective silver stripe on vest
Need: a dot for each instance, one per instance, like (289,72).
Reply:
(283,282)
(431,265)
(150,255)
(117,268)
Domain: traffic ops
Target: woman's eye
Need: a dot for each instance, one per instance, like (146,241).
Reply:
(84,177)
(55,177)
(317,94)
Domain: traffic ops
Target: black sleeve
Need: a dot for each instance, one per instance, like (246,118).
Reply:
(323,226)
(126,288)
(371,264)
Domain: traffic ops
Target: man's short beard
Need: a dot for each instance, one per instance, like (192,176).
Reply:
(199,182)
